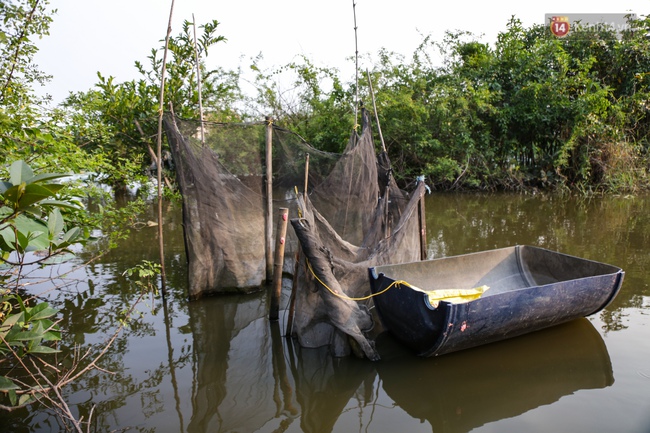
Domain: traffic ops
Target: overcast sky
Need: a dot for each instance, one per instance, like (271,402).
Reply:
(109,36)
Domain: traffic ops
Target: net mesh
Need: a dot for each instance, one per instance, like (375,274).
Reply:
(354,209)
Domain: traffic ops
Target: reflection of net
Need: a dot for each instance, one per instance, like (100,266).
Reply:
(223,187)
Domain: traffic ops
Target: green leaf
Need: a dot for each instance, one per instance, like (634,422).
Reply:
(13,398)
(6,384)
(42,311)
(53,332)
(22,241)
(72,235)
(14,320)
(23,308)
(43,349)
(36,333)
(25,399)
(35,211)
(55,223)
(48,176)
(13,194)
(9,237)
(60,204)
(20,172)
(34,193)
(31,226)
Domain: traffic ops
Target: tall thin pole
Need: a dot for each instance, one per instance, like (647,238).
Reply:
(422,225)
(374,107)
(161,100)
(306,176)
(280,240)
(356,68)
(269,199)
(198,82)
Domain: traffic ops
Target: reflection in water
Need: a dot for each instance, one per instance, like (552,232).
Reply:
(232,385)
(248,377)
(464,390)
(217,365)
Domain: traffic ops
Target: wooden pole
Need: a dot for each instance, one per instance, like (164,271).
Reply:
(423,227)
(280,240)
(161,101)
(292,299)
(269,199)
(198,83)
(306,176)
(356,67)
(389,223)
(374,106)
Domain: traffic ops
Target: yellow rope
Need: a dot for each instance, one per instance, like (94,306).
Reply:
(435,296)
(350,298)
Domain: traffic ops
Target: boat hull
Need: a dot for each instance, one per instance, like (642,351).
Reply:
(531,288)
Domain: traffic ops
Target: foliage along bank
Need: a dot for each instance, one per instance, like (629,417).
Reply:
(530,111)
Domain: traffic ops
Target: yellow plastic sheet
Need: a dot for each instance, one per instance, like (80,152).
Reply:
(455,296)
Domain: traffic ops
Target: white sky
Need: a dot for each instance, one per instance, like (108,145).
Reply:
(88,36)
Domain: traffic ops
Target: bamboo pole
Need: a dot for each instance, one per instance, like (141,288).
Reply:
(280,240)
(198,83)
(423,227)
(269,199)
(292,299)
(374,107)
(306,176)
(161,102)
(356,67)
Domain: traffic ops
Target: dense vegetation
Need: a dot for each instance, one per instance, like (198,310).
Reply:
(530,111)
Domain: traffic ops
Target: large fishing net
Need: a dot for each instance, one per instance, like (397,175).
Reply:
(353,216)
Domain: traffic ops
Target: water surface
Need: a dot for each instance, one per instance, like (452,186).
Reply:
(219,365)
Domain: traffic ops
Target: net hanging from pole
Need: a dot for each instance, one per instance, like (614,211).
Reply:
(354,208)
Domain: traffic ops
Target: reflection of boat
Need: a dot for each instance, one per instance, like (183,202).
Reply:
(465,390)
(530,288)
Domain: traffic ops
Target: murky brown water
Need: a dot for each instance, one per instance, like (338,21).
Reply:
(220,366)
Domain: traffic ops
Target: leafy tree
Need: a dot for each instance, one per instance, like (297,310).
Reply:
(314,103)
(20,22)
(120,120)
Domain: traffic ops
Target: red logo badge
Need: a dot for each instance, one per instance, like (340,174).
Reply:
(560,26)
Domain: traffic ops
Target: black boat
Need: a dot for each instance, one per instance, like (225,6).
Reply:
(525,288)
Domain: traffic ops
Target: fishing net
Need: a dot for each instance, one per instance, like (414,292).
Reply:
(221,175)
(332,304)
(353,206)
